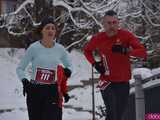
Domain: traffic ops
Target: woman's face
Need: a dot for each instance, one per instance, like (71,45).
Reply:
(49,31)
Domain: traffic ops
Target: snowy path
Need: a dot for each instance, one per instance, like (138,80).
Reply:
(13,101)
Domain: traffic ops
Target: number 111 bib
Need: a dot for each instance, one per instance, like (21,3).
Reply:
(46,76)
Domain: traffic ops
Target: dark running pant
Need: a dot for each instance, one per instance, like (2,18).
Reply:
(115,98)
(40,103)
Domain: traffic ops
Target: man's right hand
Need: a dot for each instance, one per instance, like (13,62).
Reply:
(99,67)
(26,84)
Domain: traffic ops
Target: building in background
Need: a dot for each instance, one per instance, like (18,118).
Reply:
(7,6)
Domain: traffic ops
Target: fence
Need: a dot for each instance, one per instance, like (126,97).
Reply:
(151,88)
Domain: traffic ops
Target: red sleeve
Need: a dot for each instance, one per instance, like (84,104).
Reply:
(62,80)
(64,86)
(89,48)
(138,50)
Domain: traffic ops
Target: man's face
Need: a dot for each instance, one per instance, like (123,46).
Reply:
(110,24)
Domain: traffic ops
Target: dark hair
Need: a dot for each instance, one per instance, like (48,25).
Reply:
(110,13)
(45,21)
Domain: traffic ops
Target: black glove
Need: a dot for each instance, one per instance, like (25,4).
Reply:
(99,67)
(119,49)
(66,98)
(67,72)
(26,85)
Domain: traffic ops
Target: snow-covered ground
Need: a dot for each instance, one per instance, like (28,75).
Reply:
(13,102)
(11,89)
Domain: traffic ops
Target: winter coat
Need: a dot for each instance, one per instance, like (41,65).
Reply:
(119,65)
(62,84)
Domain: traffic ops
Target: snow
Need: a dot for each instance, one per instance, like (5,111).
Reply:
(70,114)
(70,10)
(11,88)
(156,71)
(13,102)
(14,115)
(88,10)
(144,72)
(81,68)
(84,96)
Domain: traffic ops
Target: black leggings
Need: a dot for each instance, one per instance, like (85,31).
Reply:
(41,103)
(115,98)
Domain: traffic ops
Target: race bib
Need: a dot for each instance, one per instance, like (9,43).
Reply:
(46,76)
(103,84)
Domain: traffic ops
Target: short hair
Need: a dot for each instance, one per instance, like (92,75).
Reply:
(46,20)
(110,13)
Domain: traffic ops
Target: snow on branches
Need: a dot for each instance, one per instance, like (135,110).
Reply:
(85,15)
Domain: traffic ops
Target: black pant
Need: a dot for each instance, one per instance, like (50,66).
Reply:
(115,98)
(41,103)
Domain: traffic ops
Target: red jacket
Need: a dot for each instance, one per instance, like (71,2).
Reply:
(119,64)
(62,84)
